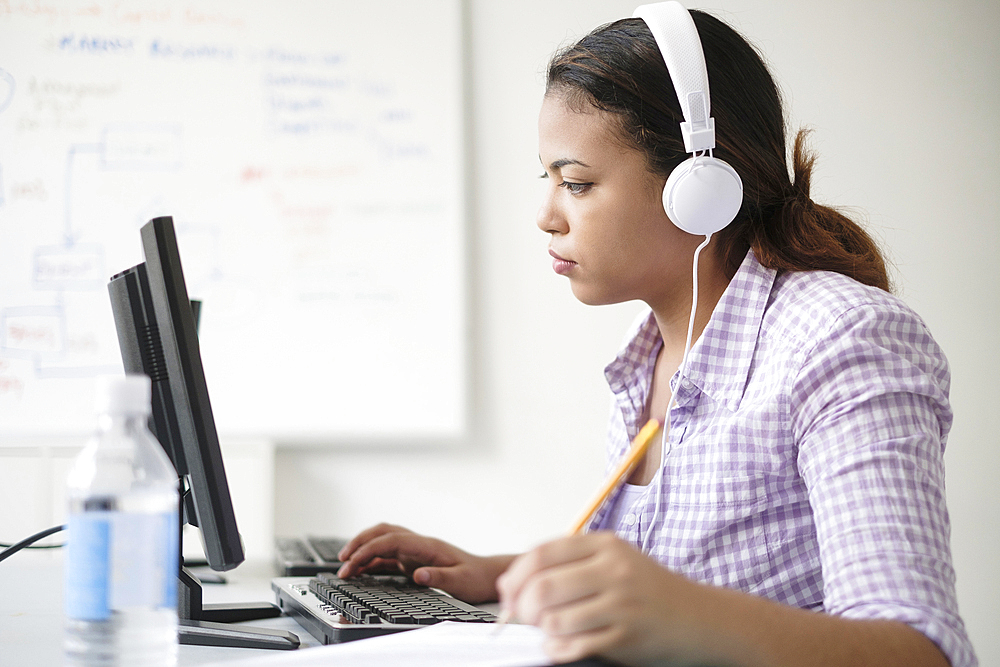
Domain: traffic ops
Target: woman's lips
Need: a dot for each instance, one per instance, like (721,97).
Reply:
(560,265)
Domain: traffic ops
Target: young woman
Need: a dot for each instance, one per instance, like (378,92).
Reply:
(794,512)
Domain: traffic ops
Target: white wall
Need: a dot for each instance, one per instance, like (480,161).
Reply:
(903,97)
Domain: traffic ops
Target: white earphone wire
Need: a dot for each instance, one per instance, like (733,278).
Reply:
(664,438)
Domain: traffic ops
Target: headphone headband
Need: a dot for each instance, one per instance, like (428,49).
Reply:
(703,194)
(679,44)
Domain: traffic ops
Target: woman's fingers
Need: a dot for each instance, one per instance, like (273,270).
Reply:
(557,586)
(430,561)
(408,549)
(367,535)
(583,615)
(556,554)
(379,566)
(460,580)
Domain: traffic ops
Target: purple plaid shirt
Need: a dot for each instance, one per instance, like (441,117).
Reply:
(804,460)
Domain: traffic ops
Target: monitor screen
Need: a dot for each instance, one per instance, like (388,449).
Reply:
(157,335)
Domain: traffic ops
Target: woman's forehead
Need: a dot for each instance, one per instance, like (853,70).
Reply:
(586,128)
(568,131)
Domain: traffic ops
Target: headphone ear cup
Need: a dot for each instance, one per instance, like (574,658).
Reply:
(702,195)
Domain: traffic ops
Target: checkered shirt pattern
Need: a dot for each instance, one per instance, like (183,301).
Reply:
(804,458)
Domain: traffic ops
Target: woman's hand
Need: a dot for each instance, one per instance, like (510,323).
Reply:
(596,595)
(429,561)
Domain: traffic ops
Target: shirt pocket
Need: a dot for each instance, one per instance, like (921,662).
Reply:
(713,531)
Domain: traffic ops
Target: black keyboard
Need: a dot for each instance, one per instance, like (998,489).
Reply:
(392,599)
(328,548)
(306,556)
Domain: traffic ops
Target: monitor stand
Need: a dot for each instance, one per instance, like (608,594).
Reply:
(206,624)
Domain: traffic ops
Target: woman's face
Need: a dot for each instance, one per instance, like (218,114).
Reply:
(603,211)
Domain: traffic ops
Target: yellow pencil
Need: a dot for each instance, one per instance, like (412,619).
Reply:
(638,449)
(640,444)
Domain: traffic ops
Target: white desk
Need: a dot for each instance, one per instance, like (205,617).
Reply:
(31,621)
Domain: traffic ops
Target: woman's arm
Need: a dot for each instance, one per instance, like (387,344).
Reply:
(596,595)
(870,415)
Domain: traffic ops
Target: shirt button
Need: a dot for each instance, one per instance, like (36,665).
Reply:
(629,519)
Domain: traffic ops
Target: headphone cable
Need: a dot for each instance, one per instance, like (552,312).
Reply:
(673,399)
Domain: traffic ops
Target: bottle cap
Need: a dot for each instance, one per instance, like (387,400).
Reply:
(124,394)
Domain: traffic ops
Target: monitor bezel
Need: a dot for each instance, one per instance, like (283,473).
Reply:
(158,336)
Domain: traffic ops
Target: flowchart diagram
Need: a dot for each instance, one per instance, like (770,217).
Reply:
(46,335)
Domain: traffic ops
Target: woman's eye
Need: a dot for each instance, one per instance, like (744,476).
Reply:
(575,188)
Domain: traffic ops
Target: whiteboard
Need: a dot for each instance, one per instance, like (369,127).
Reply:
(310,155)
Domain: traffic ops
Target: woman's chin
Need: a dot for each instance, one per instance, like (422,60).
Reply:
(591,297)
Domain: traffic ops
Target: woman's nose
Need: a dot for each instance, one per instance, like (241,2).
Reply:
(550,218)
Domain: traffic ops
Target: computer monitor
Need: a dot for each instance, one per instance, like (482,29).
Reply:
(157,335)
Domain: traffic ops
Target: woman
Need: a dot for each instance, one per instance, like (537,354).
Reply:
(801,468)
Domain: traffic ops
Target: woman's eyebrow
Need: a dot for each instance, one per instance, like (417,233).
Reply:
(559,164)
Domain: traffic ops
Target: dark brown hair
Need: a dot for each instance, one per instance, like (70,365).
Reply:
(618,69)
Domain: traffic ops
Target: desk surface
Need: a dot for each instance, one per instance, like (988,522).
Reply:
(31,622)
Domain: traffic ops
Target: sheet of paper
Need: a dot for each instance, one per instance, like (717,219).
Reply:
(441,645)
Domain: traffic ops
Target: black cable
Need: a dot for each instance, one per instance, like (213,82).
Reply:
(13,549)
(7,545)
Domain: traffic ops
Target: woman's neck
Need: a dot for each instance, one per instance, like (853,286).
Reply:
(673,314)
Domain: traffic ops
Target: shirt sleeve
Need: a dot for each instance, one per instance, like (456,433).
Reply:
(870,412)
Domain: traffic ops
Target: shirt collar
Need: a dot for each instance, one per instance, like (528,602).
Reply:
(719,361)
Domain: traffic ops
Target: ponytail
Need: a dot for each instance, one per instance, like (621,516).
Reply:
(802,235)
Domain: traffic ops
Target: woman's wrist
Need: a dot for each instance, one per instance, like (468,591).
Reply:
(492,568)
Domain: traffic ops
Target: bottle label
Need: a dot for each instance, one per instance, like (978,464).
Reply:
(88,547)
(117,560)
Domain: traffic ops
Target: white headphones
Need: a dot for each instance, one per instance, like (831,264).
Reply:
(702,194)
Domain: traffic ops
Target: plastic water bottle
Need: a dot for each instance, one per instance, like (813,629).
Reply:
(122,543)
